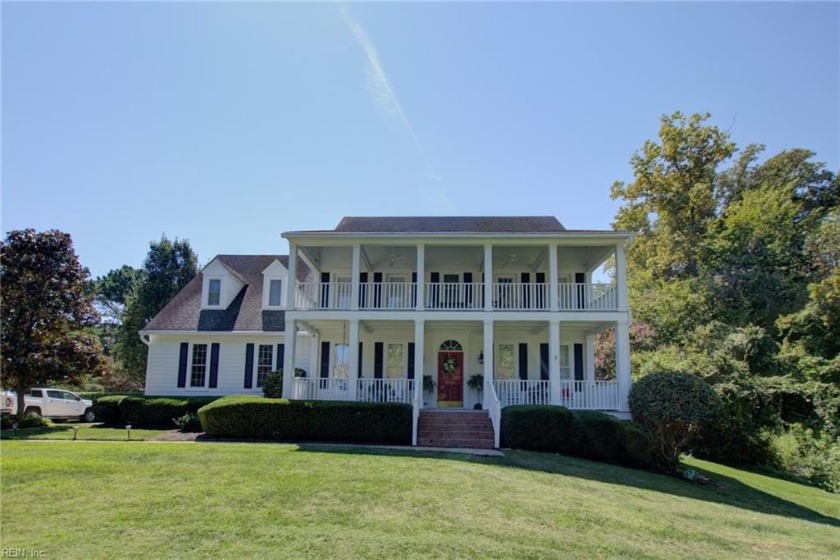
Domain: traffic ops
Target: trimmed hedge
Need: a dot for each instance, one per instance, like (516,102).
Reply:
(251,417)
(584,433)
(146,411)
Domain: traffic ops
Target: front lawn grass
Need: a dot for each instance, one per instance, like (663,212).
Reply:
(85,432)
(223,500)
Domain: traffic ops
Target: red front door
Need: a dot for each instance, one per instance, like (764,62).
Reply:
(450,378)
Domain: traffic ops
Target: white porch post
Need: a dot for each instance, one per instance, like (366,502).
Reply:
(621,276)
(488,282)
(622,363)
(552,277)
(354,277)
(421,277)
(353,356)
(489,357)
(419,354)
(589,353)
(554,360)
(289,357)
(291,290)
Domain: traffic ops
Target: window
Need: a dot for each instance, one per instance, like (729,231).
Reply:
(394,367)
(55,394)
(341,361)
(198,371)
(265,357)
(565,363)
(506,362)
(214,291)
(275,291)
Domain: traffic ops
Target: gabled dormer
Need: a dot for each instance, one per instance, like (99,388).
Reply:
(274,286)
(220,285)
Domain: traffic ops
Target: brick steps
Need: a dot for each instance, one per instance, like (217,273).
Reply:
(467,428)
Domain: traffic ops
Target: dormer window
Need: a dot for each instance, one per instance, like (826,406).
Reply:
(275,292)
(214,291)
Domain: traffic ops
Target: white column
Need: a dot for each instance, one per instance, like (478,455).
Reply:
(554,360)
(589,353)
(552,277)
(488,280)
(354,278)
(289,357)
(291,281)
(489,360)
(421,277)
(622,363)
(419,362)
(621,276)
(353,356)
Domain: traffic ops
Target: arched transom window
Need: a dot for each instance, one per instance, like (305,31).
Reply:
(451,346)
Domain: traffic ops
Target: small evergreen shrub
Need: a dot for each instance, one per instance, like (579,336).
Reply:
(107,409)
(189,422)
(602,434)
(34,421)
(161,411)
(273,385)
(674,407)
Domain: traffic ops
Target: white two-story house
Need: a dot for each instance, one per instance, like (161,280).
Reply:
(379,304)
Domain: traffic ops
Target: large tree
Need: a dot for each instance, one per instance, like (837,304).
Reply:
(169,266)
(47,312)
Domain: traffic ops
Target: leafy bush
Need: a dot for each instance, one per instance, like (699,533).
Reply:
(261,418)
(273,385)
(588,434)
(189,422)
(809,455)
(34,421)
(107,409)
(673,407)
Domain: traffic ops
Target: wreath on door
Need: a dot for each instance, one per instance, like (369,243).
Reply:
(449,365)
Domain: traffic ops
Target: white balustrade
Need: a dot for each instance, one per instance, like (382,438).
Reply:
(581,395)
(386,390)
(587,297)
(453,295)
(519,296)
(494,409)
(321,389)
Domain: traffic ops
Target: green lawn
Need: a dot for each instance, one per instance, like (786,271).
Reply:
(85,432)
(241,500)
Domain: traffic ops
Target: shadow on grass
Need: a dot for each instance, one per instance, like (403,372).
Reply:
(723,489)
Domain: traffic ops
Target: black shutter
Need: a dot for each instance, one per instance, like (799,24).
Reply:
(541,290)
(182,364)
(325,290)
(378,357)
(526,291)
(281,356)
(363,279)
(580,290)
(249,366)
(434,298)
(468,290)
(360,361)
(377,289)
(544,361)
(523,361)
(214,365)
(411,359)
(325,359)
(414,292)
(578,362)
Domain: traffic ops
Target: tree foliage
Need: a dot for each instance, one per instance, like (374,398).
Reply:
(47,314)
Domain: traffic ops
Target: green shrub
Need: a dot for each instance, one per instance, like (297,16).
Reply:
(34,421)
(673,407)
(107,409)
(589,434)
(161,411)
(273,385)
(261,418)
(194,403)
(189,422)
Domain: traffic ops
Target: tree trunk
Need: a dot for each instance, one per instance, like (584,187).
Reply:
(21,401)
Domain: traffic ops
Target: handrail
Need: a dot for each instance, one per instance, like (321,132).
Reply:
(416,405)
(494,409)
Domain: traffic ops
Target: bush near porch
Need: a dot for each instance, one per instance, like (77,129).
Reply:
(146,411)
(579,433)
(251,417)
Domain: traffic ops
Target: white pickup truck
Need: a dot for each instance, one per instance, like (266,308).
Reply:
(50,403)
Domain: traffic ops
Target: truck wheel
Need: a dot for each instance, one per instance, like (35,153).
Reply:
(88,416)
(32,411)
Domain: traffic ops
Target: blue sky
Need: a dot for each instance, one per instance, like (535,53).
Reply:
(227,124)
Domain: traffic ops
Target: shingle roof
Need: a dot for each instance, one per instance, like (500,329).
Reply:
(450,224)
(245,313)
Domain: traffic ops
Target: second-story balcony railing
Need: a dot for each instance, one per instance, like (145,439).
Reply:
(505,296)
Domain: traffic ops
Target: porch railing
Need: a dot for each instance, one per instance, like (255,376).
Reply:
(367,390)
(386,390)
(321,389)
(494,410)
(516,296)
(582,395)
